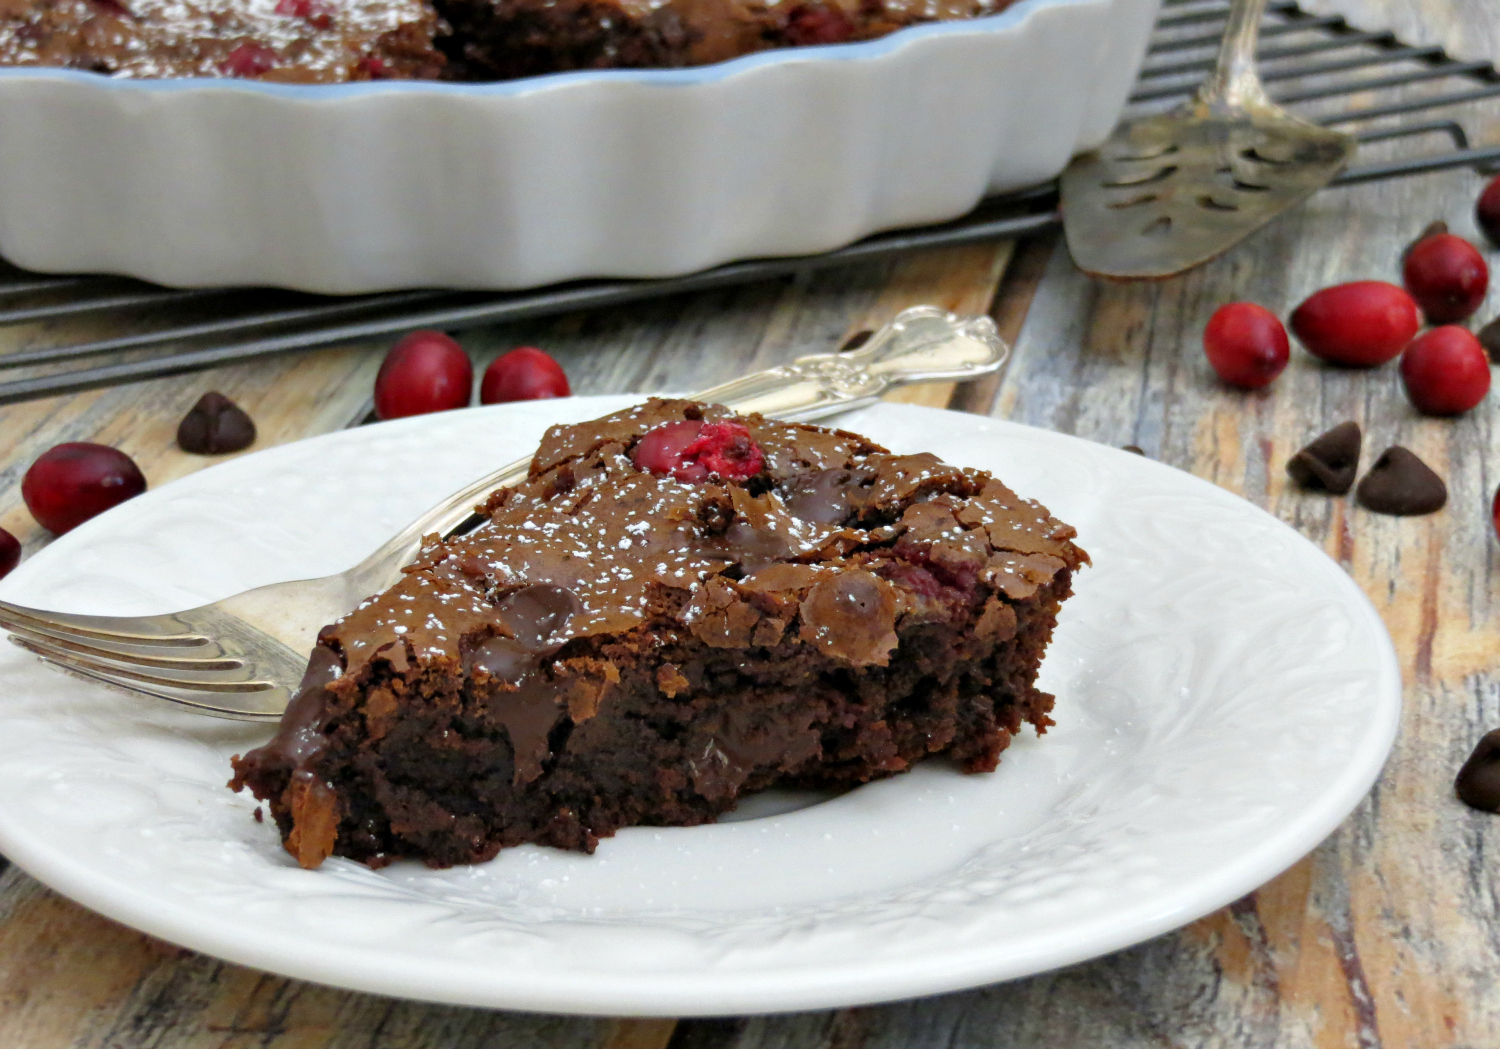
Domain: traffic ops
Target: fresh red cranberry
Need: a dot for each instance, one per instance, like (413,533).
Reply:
(1447,276)
(1246,344)
(72,482)
(818,24)
(248,60)
(691,451)
(10,553)
(425,372)
(913,567)
(1361,324)
(1445,371)
(915,578)
(1487,211)
(313,12)
(727,450)
(523,374)
(663,451)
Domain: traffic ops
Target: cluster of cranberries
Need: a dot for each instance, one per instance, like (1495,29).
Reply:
(69,484)
(428,371)
(1366,323)
(425,372)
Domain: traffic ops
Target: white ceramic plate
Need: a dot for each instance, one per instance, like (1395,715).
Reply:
(1225,697)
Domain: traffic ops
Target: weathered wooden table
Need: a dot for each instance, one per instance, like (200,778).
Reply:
(1387,935)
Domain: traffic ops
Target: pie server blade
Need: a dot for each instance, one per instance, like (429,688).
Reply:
(1169,192)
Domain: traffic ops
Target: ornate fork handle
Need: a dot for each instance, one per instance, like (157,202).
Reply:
(923,344)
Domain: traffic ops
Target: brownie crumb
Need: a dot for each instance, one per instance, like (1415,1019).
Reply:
(1330,462)
(1133,448)
(260,816)
(1402,485)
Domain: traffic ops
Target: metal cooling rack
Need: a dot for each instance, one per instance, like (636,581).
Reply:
(1329,71)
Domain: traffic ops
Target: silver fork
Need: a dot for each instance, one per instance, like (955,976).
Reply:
(242,657)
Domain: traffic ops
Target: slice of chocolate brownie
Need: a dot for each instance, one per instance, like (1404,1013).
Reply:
(680,606)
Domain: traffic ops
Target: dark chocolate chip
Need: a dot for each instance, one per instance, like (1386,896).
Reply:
(1478,782)
(1330,462)
(824,497)
(1399,483)
(502,658)
(534,613)
(215,425)
(1432,230)
(1489,338)
(1137,449)
(856,340)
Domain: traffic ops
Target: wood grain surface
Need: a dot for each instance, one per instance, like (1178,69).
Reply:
(1386,936)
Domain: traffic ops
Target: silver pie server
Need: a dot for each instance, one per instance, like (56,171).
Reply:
(1169,192)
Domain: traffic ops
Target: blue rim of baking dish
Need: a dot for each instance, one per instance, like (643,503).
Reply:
(1011,17)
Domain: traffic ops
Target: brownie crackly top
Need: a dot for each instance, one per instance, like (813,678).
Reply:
(795,540)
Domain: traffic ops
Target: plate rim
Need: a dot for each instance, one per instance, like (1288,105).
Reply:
(771,990)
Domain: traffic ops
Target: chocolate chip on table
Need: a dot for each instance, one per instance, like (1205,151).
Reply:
(1432,230)
(1478,782)
(214,426)
(1489,338)
(1401,484)
(1330,462)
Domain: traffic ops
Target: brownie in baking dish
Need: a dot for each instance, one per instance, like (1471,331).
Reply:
(502,39)
(332,41)
(295,41)
(678,607)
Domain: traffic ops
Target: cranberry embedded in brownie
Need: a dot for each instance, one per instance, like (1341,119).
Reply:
(679,606)
(294,41)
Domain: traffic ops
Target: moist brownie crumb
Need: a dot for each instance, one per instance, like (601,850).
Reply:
(652,626)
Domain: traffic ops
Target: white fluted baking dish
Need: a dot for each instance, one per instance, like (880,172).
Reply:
(634,173)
